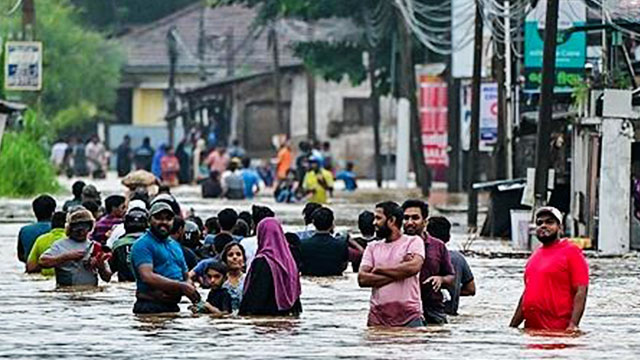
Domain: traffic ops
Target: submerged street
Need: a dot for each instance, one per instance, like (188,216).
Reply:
(38,321)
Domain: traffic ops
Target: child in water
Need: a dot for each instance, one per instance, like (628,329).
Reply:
(219,301)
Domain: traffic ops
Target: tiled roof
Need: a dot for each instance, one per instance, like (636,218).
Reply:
(146,48)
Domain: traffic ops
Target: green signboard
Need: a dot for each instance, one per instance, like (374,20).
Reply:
(570,51)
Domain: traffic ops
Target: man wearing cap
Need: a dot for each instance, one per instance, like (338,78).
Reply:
(77,260)
(136,222)
(556,279)
(159,266)
(317,182)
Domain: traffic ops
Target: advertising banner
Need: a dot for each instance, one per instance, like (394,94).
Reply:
(434,121)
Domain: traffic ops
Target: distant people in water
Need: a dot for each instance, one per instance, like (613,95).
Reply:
(348,176)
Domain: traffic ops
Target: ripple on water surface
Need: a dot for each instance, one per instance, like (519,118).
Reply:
(38,321)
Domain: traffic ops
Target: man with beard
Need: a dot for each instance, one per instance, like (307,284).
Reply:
(556,279)
(159,266)
(77,260)
(437,269)
(391,267)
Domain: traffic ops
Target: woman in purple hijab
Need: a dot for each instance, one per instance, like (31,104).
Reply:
(272,286)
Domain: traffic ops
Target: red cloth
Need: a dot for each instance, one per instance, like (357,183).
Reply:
(552,276)
(170,167)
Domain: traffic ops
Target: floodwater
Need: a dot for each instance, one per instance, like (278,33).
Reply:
(36,321)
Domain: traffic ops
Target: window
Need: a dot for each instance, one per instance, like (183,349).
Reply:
(357,112)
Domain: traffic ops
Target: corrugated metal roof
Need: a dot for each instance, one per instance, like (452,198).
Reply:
(146,48)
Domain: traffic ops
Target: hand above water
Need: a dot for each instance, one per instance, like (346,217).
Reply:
(572,328)
(75,255)
(435,281)
(190,291)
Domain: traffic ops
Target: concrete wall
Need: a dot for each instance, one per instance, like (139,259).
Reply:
(615,187)
(353,145)
(149,107)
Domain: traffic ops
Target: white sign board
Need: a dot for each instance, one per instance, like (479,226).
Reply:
(23,66)
(488,116)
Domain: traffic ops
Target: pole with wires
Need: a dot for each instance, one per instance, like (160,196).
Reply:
(546,103)
(472,163)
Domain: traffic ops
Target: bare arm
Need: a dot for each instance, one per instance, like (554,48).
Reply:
(104,270)
(404,270)
(579,303)
(367,279)
(468,289)
(158,282)
(518,316)
(50,261)
(32,267)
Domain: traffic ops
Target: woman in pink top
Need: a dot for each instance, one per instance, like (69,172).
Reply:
(391,268)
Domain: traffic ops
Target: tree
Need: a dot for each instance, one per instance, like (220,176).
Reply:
(333,61)
(80,67)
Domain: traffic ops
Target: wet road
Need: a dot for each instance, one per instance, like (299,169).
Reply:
(36,321)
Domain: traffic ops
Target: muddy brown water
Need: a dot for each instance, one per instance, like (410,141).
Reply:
(36,321)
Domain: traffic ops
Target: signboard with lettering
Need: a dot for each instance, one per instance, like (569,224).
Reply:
(571,47)
(488,116)
(23,66)
(434,121)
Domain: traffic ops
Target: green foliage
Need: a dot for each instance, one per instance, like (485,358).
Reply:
(72,119)
(321,58)
(25,169)
(79,66)
(334,61)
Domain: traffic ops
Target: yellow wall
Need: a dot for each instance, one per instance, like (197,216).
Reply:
(149,107)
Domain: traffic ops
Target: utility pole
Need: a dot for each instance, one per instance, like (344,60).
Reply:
(499,60)
(546,103)
(28,20)
(472,163)
(407,90)
(311,98)
(231,61)
(374,99)
(508,84)
(202,46)
(172,52)
(311,105)
(273,34)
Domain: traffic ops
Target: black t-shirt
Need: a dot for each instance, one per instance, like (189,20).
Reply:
(190,257)
(221,299)
(211,189)
(324,255)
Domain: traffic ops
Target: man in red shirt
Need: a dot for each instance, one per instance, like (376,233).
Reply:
(556,279)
